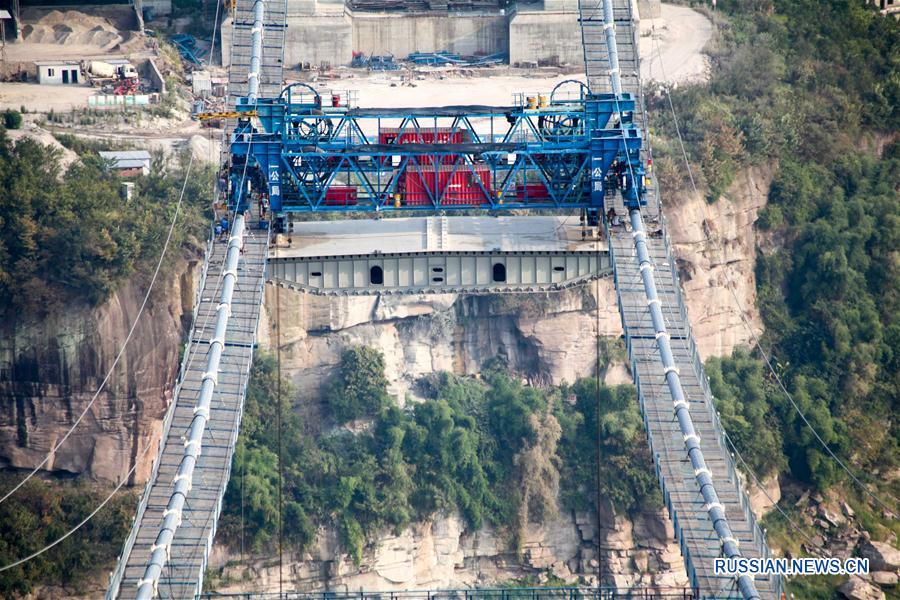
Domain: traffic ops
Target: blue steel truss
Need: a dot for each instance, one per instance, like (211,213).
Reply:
(552,154)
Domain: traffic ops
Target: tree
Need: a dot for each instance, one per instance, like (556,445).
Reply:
(538,472)
(360,387)
(747,403)
(67,237)
(608,417)
(12,119)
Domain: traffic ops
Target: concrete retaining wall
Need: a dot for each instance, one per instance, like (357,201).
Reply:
(545,37)
(313,39)
(401,35)
(318,39)
(149,70)
(329,36)
(225,41)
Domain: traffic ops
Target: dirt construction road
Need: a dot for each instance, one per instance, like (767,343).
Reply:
(672,46)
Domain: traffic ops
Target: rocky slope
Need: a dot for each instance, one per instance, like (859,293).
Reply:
(441,554)
(716,244)
(51,367)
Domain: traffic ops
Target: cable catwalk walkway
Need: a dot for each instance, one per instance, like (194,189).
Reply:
(271,72)
(183,573)
(166,552)
(697,538)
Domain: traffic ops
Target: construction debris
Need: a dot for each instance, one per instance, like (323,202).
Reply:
(374,63)
(188,49)
(450,58)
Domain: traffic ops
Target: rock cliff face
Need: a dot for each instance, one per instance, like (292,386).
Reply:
(714,244)
(442,553)
(51,368)
(549,338)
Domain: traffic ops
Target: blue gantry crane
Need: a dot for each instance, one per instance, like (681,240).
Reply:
(313,156)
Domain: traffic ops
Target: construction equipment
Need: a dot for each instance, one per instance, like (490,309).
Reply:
(205,116)
(100,72)
(374,63)
(112,78)
(450,58)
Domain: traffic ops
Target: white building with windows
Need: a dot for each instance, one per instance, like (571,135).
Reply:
(59,72)
(888,7)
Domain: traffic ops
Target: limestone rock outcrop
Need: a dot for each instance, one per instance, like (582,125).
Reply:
(51,367)
(444,553)
(857,588)
(549,338)
(882,556)
(714,244)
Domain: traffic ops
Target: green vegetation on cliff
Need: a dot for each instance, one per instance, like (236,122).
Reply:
(495,450)
(812,88)
(67,235)
(41,512)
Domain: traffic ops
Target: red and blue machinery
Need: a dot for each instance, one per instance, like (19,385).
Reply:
(547,154)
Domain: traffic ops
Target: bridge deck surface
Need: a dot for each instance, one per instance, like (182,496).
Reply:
(437,234)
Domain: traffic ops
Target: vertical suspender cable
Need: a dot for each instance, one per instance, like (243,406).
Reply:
(599,456)
(703,475)
(280,426)
(160,551)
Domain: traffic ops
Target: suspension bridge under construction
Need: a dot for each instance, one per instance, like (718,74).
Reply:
(575,148)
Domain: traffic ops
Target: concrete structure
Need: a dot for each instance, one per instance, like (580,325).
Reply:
(150,71)
(132,163)
(327,32)
(153,8)
(403,34)
(59,72)
(201,83)
(471,255)
(159,8)
(545,37)
(318,31)
(886,6)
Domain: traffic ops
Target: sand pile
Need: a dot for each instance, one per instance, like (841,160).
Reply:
(206,149)
(72,27)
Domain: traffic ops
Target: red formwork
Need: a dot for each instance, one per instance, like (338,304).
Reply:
(341,195)
(532,191)
(425,135)
(459,184)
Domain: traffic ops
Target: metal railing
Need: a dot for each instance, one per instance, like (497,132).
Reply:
(115,577)
(512,593)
